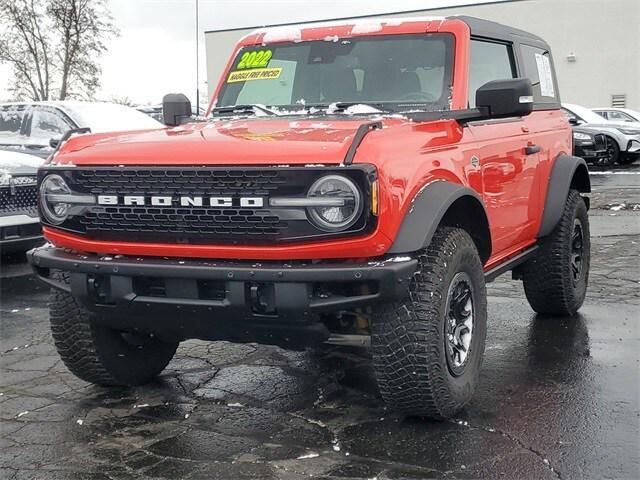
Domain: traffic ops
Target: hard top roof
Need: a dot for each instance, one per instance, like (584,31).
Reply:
(488,29)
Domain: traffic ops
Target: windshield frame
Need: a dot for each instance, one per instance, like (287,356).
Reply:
(450,79)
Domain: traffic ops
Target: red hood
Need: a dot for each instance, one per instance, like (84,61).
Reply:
(240,141)
(253,141)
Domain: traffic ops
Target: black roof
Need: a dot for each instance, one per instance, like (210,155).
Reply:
(489,29)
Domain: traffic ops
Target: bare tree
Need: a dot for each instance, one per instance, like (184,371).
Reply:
(54,46)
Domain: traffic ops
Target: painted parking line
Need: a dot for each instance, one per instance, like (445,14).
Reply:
(614,173)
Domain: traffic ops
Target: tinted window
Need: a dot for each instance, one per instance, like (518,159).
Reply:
(11,119)
(538,68)
(400,71)
(46,125)
(489,61)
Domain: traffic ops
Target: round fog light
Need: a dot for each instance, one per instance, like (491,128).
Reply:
(335,218)
(54,211)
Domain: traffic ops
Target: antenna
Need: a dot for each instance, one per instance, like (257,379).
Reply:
(197,63)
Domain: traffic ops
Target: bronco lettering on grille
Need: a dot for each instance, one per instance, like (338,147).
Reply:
(184,201)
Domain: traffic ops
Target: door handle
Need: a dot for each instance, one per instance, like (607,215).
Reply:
(531,149)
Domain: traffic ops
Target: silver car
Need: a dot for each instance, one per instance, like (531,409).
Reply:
(36,127)
(623,138)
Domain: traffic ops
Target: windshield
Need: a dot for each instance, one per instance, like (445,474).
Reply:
(397,72)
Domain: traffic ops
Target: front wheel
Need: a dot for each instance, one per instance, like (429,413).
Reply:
(428,348)
(102,355)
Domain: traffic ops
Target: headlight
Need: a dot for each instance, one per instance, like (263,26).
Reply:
(53,210)
(347,208)
(628,131)
(581,136)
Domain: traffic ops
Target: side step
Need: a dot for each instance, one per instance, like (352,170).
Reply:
(513,262)
(349,340)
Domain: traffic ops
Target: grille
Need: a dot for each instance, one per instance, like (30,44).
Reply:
(199,224)
(19,196)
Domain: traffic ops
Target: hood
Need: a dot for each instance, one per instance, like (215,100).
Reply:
(252,141)
(617,125)
(16,163)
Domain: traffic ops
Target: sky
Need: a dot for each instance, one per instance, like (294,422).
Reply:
(156,50)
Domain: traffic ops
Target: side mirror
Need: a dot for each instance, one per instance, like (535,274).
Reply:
(54,142)
(574,121)
(506,98)
(176,108)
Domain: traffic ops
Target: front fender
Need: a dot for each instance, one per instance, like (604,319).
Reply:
(430,208)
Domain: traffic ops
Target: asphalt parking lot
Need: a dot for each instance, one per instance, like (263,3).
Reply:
(558,399)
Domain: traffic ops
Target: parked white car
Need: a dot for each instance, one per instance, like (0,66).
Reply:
(31,126)
(623,138)
(614,114)
(19,223)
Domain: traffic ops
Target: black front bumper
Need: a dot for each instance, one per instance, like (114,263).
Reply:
(267,302)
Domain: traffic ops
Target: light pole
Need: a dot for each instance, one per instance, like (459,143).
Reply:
(197,63)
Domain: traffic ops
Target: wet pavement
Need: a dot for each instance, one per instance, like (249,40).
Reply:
(558,398)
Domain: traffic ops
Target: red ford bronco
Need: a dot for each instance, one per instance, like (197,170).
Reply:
(353,183)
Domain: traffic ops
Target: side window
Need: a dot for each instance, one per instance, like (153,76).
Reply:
(46,124)
(489,61)
(11,120)
(619,116)
(538,68)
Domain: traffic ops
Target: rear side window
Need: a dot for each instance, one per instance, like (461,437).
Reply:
(489,61)
(538,68)
(11,120)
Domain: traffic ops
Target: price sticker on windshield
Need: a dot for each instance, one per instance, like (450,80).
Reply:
(255,59)
(255,74)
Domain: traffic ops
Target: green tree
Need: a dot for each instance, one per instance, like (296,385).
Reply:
(54,46)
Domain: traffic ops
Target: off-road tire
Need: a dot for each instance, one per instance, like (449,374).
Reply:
(98,354)
(548,278)
(408,337)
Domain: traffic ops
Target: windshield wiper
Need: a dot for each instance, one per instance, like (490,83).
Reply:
(340,107)
(253,108)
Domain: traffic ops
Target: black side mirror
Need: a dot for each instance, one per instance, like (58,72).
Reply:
(506,98)
(176,108)
(574,121)
(54,142)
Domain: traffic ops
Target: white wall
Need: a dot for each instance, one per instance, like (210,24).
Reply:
(604,35)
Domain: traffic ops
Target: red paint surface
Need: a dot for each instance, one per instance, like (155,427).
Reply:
(407,156)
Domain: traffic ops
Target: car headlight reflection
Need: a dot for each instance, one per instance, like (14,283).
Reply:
(581,136)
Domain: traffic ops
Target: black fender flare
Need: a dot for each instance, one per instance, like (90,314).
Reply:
(567,172)
(429,209)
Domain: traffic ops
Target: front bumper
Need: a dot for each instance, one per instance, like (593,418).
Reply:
(268,302)
(19,233)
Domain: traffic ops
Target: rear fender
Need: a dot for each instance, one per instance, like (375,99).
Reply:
(443,203)
(568,173)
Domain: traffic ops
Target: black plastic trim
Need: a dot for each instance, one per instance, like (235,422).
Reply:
(427,212)
(510,264)
(361,132)
(565,169)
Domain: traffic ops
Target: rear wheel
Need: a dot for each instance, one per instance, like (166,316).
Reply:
(555,280)
(428,349)
(102,355)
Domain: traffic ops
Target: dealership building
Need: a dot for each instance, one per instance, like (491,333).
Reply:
(595,43)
